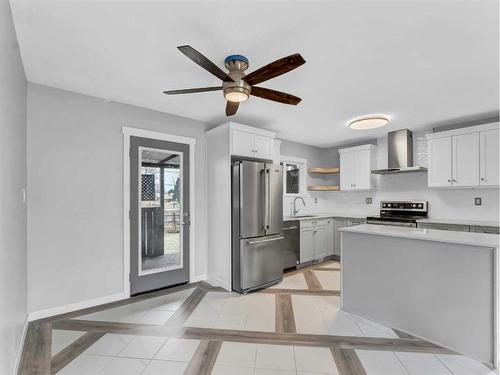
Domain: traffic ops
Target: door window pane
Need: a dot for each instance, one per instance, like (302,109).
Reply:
(160,211)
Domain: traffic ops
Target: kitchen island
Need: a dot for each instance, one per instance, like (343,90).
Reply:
(441,286)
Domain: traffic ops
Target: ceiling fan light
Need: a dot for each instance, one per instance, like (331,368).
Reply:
(368,122)
(236,96)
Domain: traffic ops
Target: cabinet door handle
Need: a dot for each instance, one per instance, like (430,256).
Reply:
(454,180)
(483,179)
(449,180)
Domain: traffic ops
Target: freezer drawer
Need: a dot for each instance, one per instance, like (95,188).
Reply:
(261,262)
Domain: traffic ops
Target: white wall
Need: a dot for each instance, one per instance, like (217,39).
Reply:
(12,180)
(443,203)
(75,223)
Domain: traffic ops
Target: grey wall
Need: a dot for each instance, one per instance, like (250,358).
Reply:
(316,157)
(12,180)
(75,247)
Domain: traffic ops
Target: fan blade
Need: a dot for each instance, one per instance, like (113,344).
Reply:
(190,91)
(231,108)
(205,63)
(274,69)
(274,95)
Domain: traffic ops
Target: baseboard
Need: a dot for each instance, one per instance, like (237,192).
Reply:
(21,346)
(195,279)
(40,314)
(215,281)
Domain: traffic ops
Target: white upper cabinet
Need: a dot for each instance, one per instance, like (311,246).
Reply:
(465,157)
(488,157)
(439,163)
(347,171)
(263,146)
(356,164)
(252,144)
(242,143)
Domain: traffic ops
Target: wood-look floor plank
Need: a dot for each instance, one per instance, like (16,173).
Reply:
(134,299)
(203,360)
(299,339)
(347,362)
(68,354)
(323,292)
(187,308)
(35,358)
(312,281)
(403,335)
(327,269)
(285,320)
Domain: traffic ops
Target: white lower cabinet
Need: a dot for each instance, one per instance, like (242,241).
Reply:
(306,243)
(314,239)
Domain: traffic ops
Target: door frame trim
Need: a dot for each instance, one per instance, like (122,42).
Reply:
(143,133)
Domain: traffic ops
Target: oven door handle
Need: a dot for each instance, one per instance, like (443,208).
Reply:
(392,223)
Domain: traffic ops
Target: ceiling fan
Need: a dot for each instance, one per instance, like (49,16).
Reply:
(236,86)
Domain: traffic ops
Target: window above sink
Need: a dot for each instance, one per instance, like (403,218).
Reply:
(294,176)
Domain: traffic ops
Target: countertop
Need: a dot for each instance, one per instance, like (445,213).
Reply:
(464,238)
(324,216)
(479,223)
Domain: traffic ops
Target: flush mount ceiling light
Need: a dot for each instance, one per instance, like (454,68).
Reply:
(368,122)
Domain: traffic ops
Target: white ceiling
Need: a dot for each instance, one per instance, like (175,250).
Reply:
(420,62)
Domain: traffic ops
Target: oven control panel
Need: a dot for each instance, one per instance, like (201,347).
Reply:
(420,206)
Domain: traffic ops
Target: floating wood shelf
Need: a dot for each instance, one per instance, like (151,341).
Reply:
(323,188)
(324,170)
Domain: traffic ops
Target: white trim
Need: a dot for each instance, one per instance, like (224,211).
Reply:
(215,281)
(460,131)
(302,175)
(358,148)
(152,271)
(40,314)
(127,133)
(198,278)
(21,346)
(244,128)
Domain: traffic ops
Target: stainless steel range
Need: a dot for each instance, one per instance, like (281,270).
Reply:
(400,213)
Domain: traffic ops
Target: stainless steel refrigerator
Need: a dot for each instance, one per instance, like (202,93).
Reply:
(257,216)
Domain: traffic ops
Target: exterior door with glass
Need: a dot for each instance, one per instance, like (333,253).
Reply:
(159,214)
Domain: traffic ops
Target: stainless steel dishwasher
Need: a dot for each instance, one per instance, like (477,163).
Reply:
(290,244)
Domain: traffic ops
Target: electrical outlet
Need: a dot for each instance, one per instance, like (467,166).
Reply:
(478,201)
(316,200)
(368,201)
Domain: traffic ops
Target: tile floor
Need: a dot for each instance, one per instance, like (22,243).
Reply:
(313,314)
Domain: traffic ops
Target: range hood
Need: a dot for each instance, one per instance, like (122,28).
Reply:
(400,154)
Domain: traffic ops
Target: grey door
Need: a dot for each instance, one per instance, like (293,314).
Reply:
(159,214)
(252,202)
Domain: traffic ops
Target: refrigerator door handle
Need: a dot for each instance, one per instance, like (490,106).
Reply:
(266,199)
(266,240)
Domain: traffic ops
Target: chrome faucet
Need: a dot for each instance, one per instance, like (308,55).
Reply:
(295,211)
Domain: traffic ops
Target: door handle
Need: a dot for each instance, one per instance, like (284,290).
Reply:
(186,219)
(264,241)
(290,228)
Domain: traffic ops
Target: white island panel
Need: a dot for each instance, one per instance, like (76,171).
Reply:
(416,281)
